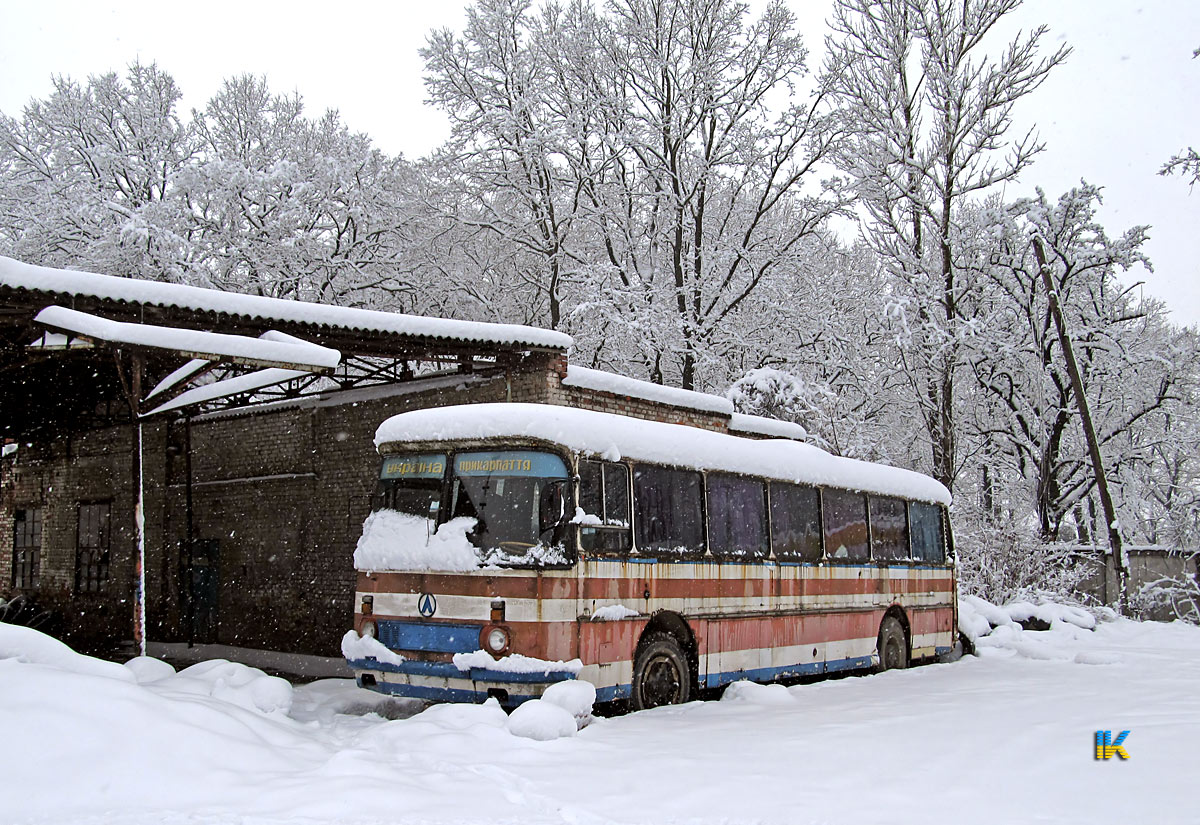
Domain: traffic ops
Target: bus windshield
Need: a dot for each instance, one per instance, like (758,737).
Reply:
(518,498)
(511,502)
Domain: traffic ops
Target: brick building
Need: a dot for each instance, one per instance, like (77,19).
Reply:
(252,507)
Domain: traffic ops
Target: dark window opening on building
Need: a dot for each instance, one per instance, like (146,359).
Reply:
(27,548)
(92,547)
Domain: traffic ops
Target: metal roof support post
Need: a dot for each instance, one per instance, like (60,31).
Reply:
(132,385)
(189,595)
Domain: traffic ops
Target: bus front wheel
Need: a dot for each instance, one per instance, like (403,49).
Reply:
(661,675)
(893,651)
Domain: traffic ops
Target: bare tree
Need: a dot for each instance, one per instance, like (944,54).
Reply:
(87,175)
(1128,357)
(636,155)
(930,111)
(1187,162)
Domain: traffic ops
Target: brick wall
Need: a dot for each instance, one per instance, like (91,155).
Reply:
(91,467)
(639,408)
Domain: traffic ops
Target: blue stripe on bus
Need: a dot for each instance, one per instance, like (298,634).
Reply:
(769,674)
(613,693)
(444,694)
(440,638)
(448,670)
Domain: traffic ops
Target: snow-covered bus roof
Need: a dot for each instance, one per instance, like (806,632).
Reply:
(16,275)
(613,436)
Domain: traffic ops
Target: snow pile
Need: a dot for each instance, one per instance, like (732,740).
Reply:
(238,684)
(147,669)
(612,613)
(514,663)
(1050,613)
(368,647)
(541,720)
(27,645)
(392,540)
(1043,632)
(576,697)
(565,707)
(756,694)
(977,617)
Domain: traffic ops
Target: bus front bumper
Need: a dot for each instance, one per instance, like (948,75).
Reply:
(444,682)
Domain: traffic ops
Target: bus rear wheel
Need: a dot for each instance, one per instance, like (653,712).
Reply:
(661,675)
(893,649)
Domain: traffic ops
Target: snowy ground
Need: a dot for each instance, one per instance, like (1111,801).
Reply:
(1003,737)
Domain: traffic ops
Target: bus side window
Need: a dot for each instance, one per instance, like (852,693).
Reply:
(616,496)
(737,517)
(604,498)
(795,522)
(591,491)
(844,514)
(889,528)
(668,506)
(928,542)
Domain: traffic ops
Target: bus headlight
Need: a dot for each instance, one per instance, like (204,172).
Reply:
(368,630)
(496,640)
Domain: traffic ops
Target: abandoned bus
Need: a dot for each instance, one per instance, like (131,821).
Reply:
(511,546)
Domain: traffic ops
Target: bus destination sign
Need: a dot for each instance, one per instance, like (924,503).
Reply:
(430,465)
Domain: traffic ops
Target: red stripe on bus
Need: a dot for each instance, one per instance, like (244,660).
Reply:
(535,586)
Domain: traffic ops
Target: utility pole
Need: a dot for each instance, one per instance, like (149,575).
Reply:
(1089,429)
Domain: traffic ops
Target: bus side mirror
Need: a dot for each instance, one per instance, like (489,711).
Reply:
(552,507)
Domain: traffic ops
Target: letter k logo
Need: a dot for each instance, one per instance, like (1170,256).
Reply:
(1107,747)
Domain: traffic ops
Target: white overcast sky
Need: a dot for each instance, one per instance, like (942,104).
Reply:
(1122,105)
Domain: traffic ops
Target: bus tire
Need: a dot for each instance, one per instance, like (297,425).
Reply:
(661,675)
(893,646)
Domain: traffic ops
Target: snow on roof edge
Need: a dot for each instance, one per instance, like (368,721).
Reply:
(611,382)
(19,275)
(599,433)
(761,425)
(292,351)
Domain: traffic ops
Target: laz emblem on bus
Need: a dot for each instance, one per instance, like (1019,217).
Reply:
(426,604)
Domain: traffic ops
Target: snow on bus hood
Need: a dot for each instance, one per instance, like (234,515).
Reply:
(392,540)
(614,436)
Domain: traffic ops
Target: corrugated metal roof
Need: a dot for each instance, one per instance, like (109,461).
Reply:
(22,277)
